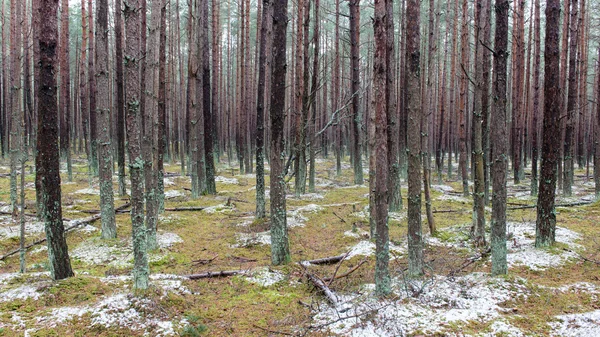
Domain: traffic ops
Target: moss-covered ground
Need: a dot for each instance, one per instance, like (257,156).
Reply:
(235,306)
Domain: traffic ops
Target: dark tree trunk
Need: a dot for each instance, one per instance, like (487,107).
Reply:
(65,91)
(571,102)
(264,60)
(536,100)
(354,6)
(92,95)
(379,104)
(546,215)
(206,102)
(103,112)
(499,138)
(48,151)
(120,97)
(280,251)
(395,194)
(413,105)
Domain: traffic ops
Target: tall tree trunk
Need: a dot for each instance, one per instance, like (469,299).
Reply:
(429,112)
(478,155)
(571,102)
(192,104)
(485,98)
(499,138)
(120,98)
(354,6)
(413,79)
(564,63)
(597,133)
(280,251)
(92,95)
(103,111)
(162,109)
(546,215)
(149,118)
(16,108)
(464,88)
(517,94)
(131,12)
(48,134)
(264,60)
(313,99)
(536,99)
(379,105)
(65,91)
(395,193)
(210,187)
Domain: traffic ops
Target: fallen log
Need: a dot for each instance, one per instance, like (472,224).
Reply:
(184,209)
(572,204)
(68,229)
(337,277)
(469,262)
(211,274)
(326,260)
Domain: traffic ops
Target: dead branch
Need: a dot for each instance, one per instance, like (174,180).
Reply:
(337,268)
(469,262)
(213,274)
(330,280)
(273,331)
(339,217)
(243,259)
(184,209)
(326,260)
(331,298)
(204,261)
(583,257)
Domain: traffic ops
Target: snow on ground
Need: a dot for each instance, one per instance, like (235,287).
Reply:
(225,180)
(89,190)
(442,188)
(522,251)
(7,231)
(577,325)
(174,194)
(252,239)
(451,197)
(265,277)
(118,255)
(426,306)
(221,208)
(307,196)
(367,248)
(295,218)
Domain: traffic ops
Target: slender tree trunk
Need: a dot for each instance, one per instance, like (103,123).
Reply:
(131,12)
(313,99)
(354,6)
(546,215)
(48,134)
(280,251)
(210,187)
(395,193)
(429,111)
(536,99)
(265,34)
(92,95)
(65,83)
(413,79)
(379,104)
(120,98)
(104,144)
(499,136)
(485,98)
(464,87)
(564,63)
(571,102)
(478,155)
(597,133)
(162,144)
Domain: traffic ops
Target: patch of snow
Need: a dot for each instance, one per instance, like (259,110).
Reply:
(295,218)
(252,239)
(95,251)
(89,190)
(442,188)
(265,277)
(20,293)
(168,181)
(14,231)
(309,196)
(167,239)
(398,216)
(577,325)
(221,208)
(225,180)
(450,197)
(174,194)
(425,306)
(522,251)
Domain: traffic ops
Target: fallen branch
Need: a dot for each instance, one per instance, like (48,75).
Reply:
(469,262)
(583,257)
(579,203)
(321,286)
(331,279)
(326,260)
(211,274)
(242,259)
(337,268)
(31,215)
(204,261)
(68,229)
(184,209)
(339,217)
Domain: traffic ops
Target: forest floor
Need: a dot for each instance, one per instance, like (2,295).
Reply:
(552,291)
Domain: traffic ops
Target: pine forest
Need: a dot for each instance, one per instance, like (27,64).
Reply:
(299,168)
